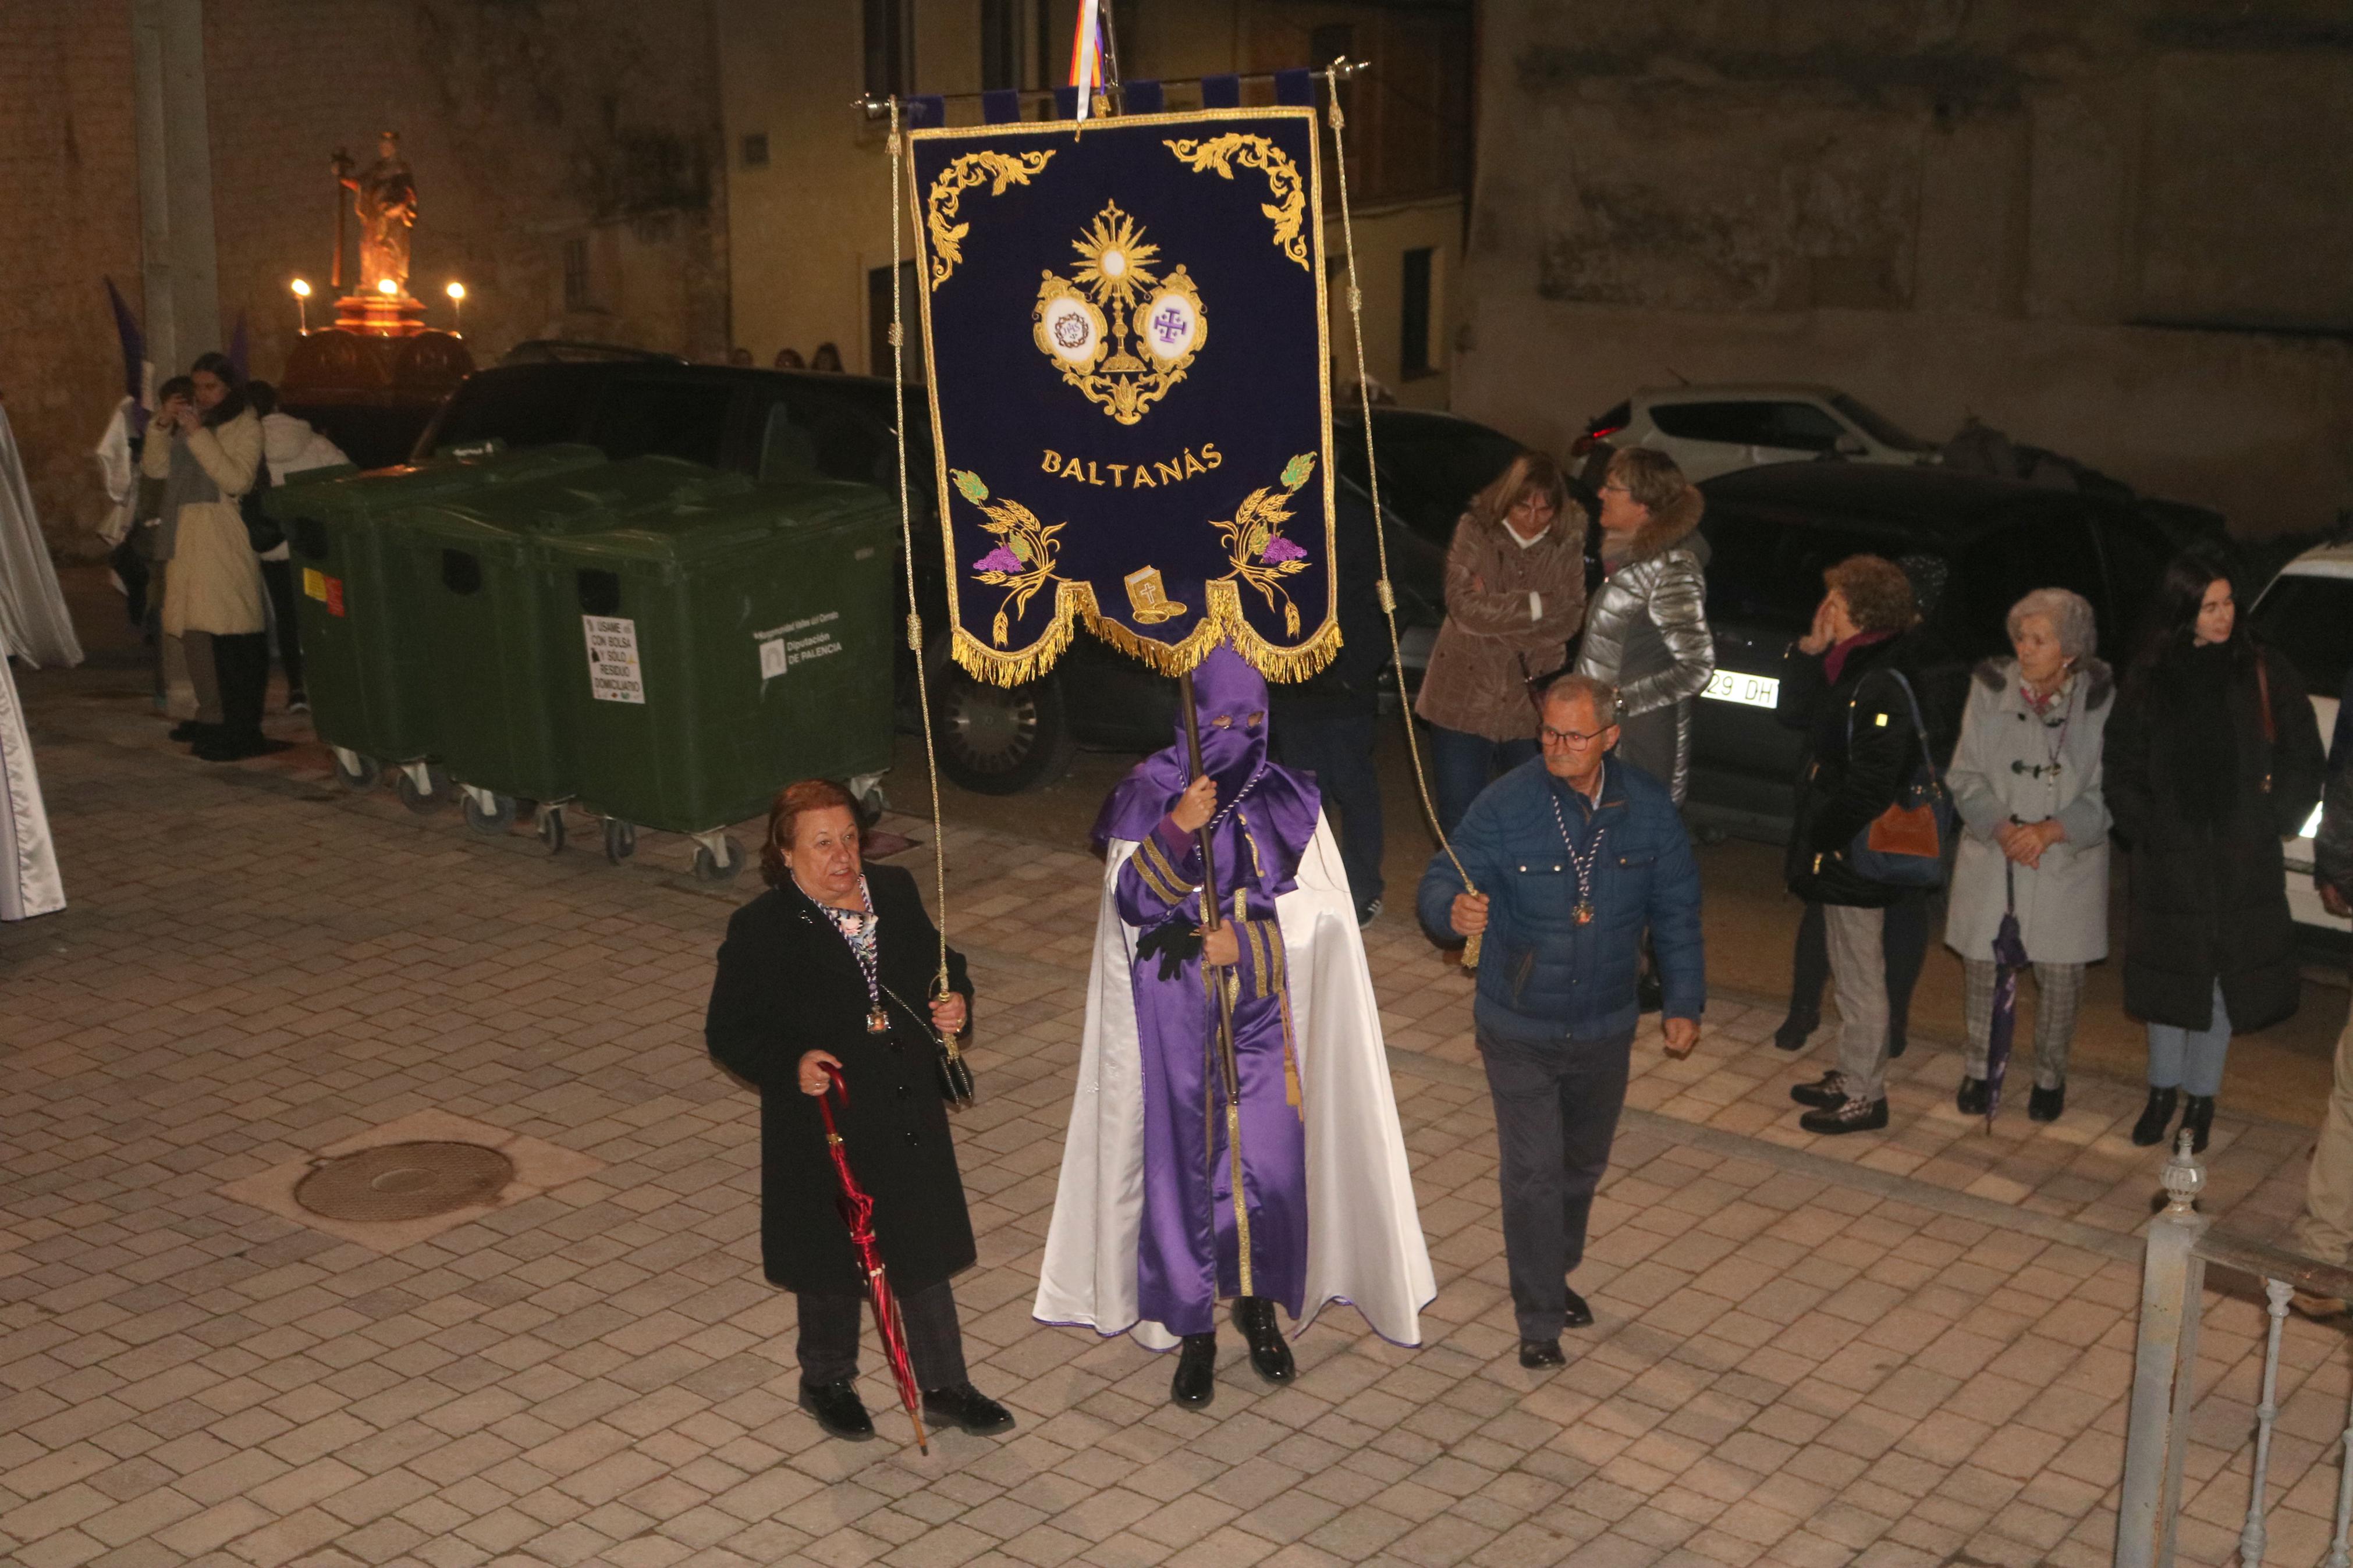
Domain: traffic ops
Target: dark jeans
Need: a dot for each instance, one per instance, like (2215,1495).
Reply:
(1556,1105)
(278,576)
(1462,764)
(1337,746)
(241,664)
(1906,944)
(131,567)
(828,1336)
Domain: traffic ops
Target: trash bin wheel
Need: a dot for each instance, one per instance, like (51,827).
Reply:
(871,805)
(709,869)
(620,840)
(551,828)
(493,822)
(419,801)
(369,774)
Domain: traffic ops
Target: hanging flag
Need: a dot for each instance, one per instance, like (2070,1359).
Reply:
(1087,56)
(1104,456)
(138,374)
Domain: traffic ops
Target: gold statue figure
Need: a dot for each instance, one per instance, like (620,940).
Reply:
(384,197)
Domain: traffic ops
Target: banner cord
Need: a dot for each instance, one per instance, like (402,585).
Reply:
(907,559)
(1373,477)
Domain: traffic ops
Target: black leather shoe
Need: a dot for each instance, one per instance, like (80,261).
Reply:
(1537,1355)
(1971,1100)
(1269,1356)
(2155,1117)
(1579,1315)
(224,747)
(1795,1030)
(193,730)
(2045,1104)
(838,1409)
(2198,1115)
(1196,1382)
(1825,1093)
(964,1406)
(1847,1116)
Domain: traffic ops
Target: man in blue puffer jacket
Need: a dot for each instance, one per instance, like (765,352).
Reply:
(1575,854)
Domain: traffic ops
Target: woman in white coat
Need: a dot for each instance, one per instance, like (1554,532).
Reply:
(2026,780)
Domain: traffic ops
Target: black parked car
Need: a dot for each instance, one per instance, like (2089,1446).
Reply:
(799,424)
(1972,546)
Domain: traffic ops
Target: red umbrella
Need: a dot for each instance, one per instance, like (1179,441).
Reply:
(858,1214)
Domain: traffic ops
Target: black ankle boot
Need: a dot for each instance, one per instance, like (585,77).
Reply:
(1269,1356)
(2046,1104)
(2155,1117)
(1794,1030)
(1196,1382)
(1971,1100)
(2198,1115)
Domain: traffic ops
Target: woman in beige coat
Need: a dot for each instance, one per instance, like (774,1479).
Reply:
(1514,595)
(207,452)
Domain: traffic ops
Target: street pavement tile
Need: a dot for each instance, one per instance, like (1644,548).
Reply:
(1809,1351)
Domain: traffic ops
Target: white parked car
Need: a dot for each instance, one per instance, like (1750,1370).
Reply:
(1712,430)
(2307,616)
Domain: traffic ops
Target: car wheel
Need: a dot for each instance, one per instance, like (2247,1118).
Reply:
(996,740)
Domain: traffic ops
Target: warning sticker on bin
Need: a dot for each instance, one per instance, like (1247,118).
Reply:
(614,675)
(314,583)
(798,642)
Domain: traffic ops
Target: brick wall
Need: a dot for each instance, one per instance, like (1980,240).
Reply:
(527,122)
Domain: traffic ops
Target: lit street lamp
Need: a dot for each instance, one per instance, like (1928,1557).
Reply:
(302,304)
(457,292)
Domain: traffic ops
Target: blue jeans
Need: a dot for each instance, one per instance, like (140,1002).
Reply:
(1337,746)
(1462,764)
(2191,1059)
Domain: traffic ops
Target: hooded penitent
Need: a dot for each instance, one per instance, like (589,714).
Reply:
(1146,1236)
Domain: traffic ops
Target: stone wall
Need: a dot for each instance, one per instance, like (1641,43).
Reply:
(2114,228)
(529,124)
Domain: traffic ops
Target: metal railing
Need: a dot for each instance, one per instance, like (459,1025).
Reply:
(2181,1243)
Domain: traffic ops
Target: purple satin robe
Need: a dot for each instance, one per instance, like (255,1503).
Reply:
(1188,1252)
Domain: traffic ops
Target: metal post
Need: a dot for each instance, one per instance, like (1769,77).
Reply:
(2251,1539)
(2165,1368)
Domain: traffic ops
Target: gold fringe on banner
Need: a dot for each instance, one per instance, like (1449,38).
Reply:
(1221,621)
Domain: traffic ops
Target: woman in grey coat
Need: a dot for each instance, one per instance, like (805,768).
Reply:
(2026,779)
(1646,630)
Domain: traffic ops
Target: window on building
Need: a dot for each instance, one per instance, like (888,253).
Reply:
(1413,314)
(755,150)
(577,296)
(1000,45)
(878,323)
(890,49)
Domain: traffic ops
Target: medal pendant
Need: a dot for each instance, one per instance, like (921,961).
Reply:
(877,1022)
(1584,913)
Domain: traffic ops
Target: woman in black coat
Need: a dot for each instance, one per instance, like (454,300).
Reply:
(2212,757)
(833,966)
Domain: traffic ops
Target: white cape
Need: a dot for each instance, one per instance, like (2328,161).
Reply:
(34,625)
(1363,1235)
(29,884)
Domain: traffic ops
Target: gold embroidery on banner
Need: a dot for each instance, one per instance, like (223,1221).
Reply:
(996,169)
(1117,329)
(1023,561)
(1261,556)
(1289,209)
(1147,600)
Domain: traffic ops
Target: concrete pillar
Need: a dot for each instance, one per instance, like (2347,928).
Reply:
(179,264)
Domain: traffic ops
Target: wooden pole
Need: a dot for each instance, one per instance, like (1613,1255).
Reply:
(1229,1069)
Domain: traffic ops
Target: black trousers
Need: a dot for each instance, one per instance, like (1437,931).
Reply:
(829,1335)
(241,663)
(278,576)
(1335,744)
(1906,945)
(1556,1105)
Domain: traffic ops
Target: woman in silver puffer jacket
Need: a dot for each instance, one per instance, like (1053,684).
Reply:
(1646,629)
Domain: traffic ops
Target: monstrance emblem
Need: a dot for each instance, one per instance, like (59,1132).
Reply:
(1120,331)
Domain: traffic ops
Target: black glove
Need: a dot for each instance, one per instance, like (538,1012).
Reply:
(1177,943)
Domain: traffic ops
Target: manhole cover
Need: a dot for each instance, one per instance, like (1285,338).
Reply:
(405,1180)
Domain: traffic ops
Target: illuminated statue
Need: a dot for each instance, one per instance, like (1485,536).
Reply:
(385,195)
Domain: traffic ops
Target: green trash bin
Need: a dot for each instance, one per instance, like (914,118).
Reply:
(477,596)
(365,678)
(714,654)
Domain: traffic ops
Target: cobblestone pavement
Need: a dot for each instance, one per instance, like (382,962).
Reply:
(1911,1349)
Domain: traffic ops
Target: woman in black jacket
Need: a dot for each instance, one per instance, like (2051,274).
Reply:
(1854,674)
(2213,756)
(832,966)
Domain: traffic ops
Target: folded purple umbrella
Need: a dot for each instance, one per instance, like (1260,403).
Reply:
(2010,958)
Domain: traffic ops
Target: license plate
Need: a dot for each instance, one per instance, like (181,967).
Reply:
(1748,690)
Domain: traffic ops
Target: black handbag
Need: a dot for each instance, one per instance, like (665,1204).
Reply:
(261,530)
(957,1085)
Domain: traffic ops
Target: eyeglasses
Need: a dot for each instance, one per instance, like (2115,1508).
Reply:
(1552,737)
(1620,486)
